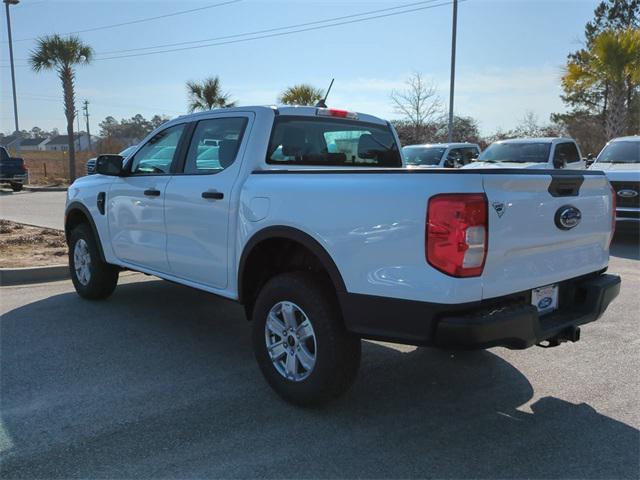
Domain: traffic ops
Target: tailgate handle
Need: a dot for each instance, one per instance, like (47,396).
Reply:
(565,185)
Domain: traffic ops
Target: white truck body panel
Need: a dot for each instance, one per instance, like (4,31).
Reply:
(371,224)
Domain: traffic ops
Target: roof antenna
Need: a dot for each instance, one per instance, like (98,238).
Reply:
(322,103)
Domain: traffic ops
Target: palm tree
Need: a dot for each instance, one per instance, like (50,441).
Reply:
(613,60)
(302,94)
(207,95)
(61,54)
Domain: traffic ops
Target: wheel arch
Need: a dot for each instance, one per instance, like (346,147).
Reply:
(293,236)
(76,214)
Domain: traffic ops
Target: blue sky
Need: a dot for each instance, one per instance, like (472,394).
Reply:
(509,60)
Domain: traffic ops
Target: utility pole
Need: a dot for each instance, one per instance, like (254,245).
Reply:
(86,116)
(453,67)
(13,71)
(78,131)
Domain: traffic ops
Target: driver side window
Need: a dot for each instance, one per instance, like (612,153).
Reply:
(156,156)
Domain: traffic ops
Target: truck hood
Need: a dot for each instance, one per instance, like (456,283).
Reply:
(616,167)
(619,172)
(529,165)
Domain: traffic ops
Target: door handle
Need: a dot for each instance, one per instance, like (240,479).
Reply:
(213,195)
(152,192)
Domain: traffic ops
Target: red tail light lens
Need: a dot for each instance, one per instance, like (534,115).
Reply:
(613,213)
(457,233)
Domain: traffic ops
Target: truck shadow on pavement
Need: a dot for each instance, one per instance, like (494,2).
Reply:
(626,245)
(160,381)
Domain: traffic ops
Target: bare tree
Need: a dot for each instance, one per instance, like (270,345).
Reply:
(418,103)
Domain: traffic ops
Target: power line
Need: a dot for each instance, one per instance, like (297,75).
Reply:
(278,34)
(140,20)
(258,34)
(269,30)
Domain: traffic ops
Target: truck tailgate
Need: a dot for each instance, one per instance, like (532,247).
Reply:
(529,246)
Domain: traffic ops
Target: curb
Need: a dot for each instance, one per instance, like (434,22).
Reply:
(30,188)
(23,276)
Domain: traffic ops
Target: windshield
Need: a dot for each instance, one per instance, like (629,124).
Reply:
(516,152)
(620,152)
(423,155)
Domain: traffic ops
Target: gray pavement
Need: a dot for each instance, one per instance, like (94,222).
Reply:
(44,209)
(159,381)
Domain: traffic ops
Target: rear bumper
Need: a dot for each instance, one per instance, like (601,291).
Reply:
(17,178)
(521,326)
(510,321)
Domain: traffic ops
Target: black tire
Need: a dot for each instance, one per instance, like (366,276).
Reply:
(16,187)
(337,352)
(103,276)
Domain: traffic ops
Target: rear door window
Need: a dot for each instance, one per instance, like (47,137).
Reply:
(214,145)
(332,142)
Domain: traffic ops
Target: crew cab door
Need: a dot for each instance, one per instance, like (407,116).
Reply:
(136,202)
(198,200)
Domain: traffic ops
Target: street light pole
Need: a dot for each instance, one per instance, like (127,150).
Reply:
(13,71)
(453,67)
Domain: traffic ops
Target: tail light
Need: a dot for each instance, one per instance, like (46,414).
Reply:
(457,233)
(336,112)
(613,212)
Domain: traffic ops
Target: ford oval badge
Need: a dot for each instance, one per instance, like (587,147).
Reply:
(567,217)
(627,193)
(545,303)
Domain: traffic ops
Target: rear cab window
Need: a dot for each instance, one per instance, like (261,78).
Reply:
(313,141)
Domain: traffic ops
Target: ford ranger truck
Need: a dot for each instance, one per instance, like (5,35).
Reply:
(308,218)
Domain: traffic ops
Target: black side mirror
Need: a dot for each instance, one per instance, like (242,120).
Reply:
(589,160)
(110,165)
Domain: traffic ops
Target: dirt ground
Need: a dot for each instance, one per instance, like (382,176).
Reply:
(26,246)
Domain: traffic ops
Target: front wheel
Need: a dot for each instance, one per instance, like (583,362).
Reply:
(300,342)
(16,187)
(92,278)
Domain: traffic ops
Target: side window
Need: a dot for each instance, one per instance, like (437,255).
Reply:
(214,145)
(566,152)
(156,155)
(469,154)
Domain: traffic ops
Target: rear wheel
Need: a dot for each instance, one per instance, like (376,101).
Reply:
(16,187)
(300,342)
(92,278)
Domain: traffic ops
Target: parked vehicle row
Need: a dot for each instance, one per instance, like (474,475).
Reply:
(13,171)
(308,218)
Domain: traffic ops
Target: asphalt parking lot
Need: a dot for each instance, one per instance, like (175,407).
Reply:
(160,381)
(44,209)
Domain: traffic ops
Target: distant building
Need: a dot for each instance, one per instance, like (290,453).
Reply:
(34,144)
(10,142)
(60,143)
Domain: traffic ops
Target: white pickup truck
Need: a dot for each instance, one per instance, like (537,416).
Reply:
(308,217)
(620,162)
(533,153)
